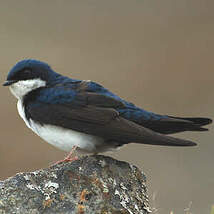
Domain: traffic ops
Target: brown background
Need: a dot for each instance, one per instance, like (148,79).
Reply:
(155,53)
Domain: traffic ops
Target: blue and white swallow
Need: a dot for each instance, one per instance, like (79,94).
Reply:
(70,113)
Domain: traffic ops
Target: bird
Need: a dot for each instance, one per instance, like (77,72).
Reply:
(82,115)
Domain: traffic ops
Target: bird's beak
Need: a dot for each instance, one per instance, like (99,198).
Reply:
(9,82)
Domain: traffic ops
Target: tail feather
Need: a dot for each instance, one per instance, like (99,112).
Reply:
(170,124)
(126,131)
(200,121)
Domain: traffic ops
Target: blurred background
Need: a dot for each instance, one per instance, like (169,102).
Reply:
(156,54)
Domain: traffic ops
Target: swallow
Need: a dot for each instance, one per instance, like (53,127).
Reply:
(70,113)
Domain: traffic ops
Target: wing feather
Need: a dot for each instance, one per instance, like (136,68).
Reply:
(102,122)
(91,113)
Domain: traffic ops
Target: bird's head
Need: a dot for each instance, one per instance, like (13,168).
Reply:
(27,75)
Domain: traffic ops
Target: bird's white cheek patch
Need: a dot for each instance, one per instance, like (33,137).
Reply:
(22,87)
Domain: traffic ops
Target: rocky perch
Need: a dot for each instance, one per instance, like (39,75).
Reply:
(90,185)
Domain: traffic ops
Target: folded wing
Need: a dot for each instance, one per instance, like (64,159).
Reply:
(99,121)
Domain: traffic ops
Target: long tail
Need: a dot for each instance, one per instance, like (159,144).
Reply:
(170,124)
(132,132)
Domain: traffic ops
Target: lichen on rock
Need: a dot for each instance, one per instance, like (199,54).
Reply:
(90,185)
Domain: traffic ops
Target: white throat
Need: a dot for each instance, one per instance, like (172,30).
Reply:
(23,87)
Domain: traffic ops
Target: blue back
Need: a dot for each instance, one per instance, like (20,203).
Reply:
(66,93)
(62,90)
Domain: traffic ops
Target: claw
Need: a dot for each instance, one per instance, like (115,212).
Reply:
(69,157)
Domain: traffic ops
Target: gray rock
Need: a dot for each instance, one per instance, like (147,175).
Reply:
(90,185)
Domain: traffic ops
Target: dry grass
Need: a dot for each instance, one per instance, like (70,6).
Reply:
(212,210)
(187,210)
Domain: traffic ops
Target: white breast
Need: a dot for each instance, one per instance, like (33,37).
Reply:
(62,138)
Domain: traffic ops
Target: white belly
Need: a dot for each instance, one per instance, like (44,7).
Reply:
(63,138)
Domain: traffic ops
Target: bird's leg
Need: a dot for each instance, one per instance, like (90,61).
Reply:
(69,157)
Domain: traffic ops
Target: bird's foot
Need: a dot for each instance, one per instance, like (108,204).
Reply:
(69,157)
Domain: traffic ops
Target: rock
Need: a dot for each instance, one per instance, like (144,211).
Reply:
(90,185)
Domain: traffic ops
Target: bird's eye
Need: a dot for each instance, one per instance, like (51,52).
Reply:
(25,74)
(27,71)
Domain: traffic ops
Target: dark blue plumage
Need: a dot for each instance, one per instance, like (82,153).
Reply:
(89,108)
(130,111)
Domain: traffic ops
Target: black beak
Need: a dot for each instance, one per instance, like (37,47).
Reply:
(9,82)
